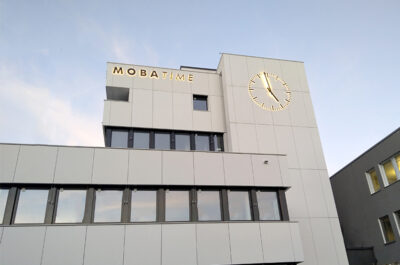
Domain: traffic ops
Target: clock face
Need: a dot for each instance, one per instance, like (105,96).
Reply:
(269,91)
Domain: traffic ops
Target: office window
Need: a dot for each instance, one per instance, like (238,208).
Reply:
(202,142)
(397,218)
(119,139)
(3,202)
(177,205)
(144,206)
(218,143)
(268,205)
(162,141)
(32,205)
(200,102)
(141,140)
(182,141)
(70,206)
(208,205)
(373,182)
(108,206)
(386,228)
(239,205)
(389,172)
(397,162)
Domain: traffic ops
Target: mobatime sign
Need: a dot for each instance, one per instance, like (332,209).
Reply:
(145,73)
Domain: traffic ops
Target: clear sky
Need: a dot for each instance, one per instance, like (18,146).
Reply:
(53,58)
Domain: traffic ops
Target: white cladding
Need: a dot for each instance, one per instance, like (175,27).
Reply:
(287,139)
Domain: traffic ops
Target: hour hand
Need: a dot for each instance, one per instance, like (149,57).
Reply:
(268,86)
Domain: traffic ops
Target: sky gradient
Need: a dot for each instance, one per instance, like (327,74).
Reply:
(53,58)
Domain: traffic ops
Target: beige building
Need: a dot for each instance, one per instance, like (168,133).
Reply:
(201,166)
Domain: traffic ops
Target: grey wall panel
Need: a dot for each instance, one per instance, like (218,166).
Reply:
(213,244)
(104,245)
(179,244)
(238,169)
(277,242)
(110,166)
(324,242)
(8,161)
(36,164)
(208,169)
(142,245)
(22,245)
(266,174)
(64,245)
(246,246)
(177,168)
(144,167)
(74,165)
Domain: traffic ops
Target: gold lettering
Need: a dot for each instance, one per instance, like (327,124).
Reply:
(131,71)
(143,72)
(164,75)
(118,71)
(190,78)
(154,75)
(180,77)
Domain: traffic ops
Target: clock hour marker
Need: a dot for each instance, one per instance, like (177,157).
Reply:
(281,106)
(255,97)
(251,89)
(287,100)
(252,81)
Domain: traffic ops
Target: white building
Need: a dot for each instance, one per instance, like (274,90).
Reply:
(201,166)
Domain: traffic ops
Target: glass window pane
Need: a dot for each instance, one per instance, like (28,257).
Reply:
(389,172)
(374,180)
(387,229)
(144,205)
(208,205)
(108,206)
(397,158)
(141,140)
(239,205)
(218,143)
(176,205)
(202,142)
(119,139)
(71,206)
(199,102)
(3,201)
(182,141)
(268,205)
(162,141)
(31,206)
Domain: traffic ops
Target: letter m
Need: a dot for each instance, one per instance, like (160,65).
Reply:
(118,71)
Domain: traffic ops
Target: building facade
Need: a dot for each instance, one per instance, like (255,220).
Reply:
(367,195)
(200,166)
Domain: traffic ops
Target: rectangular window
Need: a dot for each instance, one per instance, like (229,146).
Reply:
(208,205)
(119,139)
(141,140)
(218,143)
(386,228)
(144,206)
(373,181)
(3,202)
(182,141)
(239,205)
(397,162)
(32,205)
(200,102)
(70,206)
(177,205)
(202,142)
(389,172)
(162,141)
(268,205)
(108,206)
(397,218)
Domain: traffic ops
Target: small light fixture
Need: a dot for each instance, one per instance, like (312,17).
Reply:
(266,162)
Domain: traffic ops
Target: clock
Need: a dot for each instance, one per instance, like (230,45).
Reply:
(269,91)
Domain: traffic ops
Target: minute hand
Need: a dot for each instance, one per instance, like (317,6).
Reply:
(269,88)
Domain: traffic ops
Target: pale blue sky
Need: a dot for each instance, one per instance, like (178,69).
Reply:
(53,58)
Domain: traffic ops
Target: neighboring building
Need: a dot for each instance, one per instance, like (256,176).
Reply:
(201,166)
(367,195)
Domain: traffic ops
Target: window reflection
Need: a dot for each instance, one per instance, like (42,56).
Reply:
(268,205)
(202,142)
(182,141)
(200,102)
(71,206)
(31,206)
(162,141)
(387,230)
(218,143)
(239,205)
(176,205)
(373,177)
(144,203)
(119,139)
(389,172)
(208,205)
(3,201)
(141,140)
(108,206)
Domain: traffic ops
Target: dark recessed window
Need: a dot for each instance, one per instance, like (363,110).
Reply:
(144,204)
(208,205)
(182,141)
(141,140)
(3,201)
(239,205)
(202,142)
(268,205)
(200,102)
(31,206)
(176,205)
(218,143)
(162,141)
(119,139)
(386,227)
(71,206)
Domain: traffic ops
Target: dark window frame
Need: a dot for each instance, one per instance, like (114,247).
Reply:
(200,98)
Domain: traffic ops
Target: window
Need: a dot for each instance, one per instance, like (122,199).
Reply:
(182,141)
(200,102)
(108,206)
(397,219)
(239,205)
(397,162)
(141,140)
(218,143)
(70,206)
(389,172)
(3,201)
(176,205)
(208,205)
(373,181)
(202,142)
(162,141)
(119,139)
(144,205)
(268,206)
(386,228)
(31,206)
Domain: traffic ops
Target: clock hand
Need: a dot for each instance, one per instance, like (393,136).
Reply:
(269,88)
